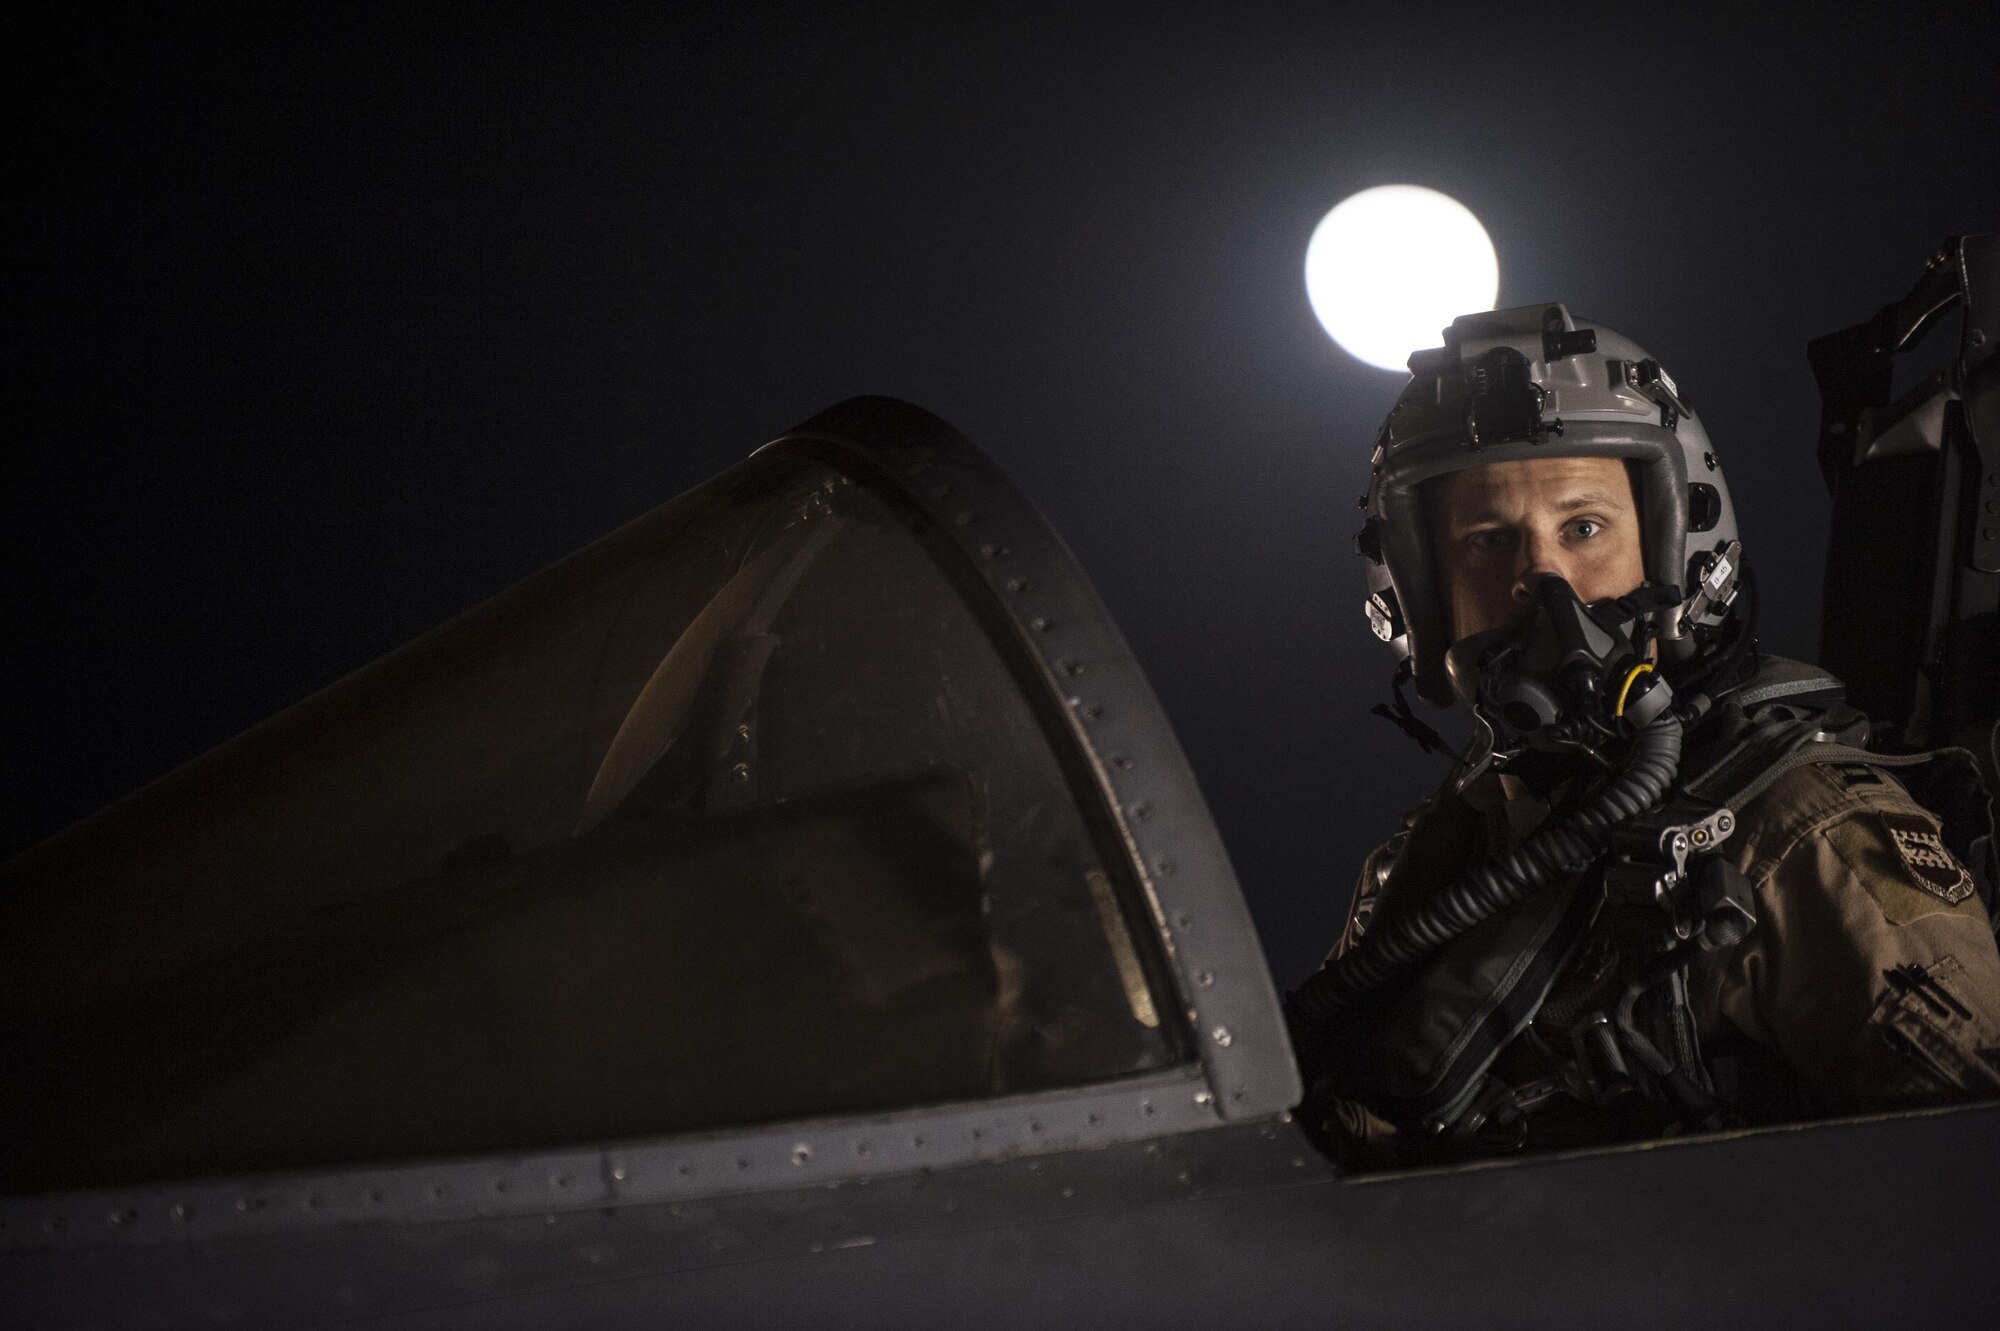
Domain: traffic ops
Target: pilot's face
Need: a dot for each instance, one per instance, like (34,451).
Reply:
(1496,529)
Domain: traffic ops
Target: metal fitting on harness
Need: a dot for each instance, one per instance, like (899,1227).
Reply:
(1649,871)
(1670,896)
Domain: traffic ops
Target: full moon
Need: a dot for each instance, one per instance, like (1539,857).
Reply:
(1390,267)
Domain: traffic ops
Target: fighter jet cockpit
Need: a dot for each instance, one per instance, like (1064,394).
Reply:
(797,900)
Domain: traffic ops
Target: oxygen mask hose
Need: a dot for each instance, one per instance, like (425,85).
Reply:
(1562,848)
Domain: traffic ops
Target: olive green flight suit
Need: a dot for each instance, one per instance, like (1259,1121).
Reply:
(1871,980)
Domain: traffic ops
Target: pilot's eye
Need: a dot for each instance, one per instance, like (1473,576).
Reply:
(1586,528)
(1491,538)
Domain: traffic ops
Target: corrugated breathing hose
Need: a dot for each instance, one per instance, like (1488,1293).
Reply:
(1559,849)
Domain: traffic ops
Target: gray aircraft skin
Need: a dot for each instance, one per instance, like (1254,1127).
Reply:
(795,909)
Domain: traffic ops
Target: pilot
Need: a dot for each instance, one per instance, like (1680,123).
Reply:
(1666,888)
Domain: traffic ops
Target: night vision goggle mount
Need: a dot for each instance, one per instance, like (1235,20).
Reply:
(1505,402)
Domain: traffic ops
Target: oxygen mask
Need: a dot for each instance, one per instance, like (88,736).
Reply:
(1570,678)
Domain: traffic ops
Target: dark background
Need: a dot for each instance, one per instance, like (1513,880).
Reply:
(320,336)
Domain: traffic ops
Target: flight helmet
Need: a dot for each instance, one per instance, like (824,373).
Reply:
(1535,382)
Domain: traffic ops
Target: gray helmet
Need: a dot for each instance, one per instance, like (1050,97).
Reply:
(1534,382)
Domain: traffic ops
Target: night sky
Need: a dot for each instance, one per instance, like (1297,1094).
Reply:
(319,337)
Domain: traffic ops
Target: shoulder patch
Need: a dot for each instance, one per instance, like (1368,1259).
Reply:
(1931,866)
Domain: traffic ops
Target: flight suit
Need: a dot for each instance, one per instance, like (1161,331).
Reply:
(1870,980)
